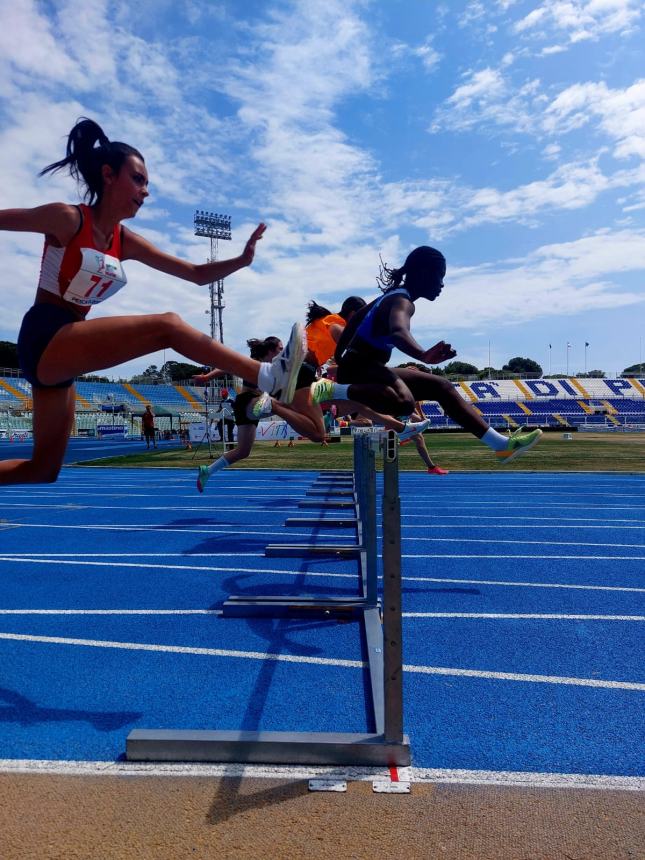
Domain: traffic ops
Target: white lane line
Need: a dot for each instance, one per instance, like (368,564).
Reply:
(551,616)
(451,776)
(522,542)
(79,559)
(110,612)
(322,661)
(471,615)
(530,557)
(505,583)
(300,772)
(468,527)
(63,559)
(169,529)
(528,779)
(211,504)
(217,529)
(527,522)
(165,566)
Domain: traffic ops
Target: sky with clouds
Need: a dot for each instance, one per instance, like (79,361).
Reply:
(509,134)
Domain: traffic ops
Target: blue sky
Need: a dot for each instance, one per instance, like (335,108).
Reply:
(509,134)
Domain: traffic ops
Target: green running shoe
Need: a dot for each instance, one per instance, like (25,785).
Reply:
(519,443)
(261,407)
(321,390)
(202,476)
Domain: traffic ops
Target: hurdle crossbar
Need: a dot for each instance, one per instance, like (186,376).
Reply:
(385,744)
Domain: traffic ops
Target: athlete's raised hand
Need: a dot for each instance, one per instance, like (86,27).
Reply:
(249,249)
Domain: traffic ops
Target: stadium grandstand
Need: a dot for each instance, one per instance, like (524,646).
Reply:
(101,406)
(564,403)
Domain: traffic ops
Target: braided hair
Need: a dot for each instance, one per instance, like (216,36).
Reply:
(88,149)
(422,264)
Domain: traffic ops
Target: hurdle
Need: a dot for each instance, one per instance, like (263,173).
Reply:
(385,744)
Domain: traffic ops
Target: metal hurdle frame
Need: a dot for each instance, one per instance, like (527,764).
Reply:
(386,745)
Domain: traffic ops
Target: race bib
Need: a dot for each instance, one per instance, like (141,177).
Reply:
(99,277)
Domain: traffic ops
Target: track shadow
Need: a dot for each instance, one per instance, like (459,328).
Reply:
(25,712)
(229,801)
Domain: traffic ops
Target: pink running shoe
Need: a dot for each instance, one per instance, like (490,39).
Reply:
(437,470)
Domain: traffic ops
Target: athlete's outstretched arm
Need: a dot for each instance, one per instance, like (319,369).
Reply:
(59,220)
(135,247)
(400,313)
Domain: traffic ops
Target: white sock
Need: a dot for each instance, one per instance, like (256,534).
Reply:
(495,440)
(340,392)
(265,377)
(218,465)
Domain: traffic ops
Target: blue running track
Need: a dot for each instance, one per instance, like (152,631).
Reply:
(523,629)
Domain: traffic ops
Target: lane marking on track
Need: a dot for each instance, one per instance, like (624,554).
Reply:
(409,774)
(528,616)
(217,529)
(323,661)
(457,506)
(548,616)
(606,524)
(80,559)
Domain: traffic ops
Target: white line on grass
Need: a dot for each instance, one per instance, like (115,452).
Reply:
(322,661)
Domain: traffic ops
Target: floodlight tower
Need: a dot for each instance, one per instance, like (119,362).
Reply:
(214,227)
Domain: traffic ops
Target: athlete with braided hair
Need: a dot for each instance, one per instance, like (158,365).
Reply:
(366,345)
(82,265)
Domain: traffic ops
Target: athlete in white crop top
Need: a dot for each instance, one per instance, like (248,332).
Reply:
(81,266)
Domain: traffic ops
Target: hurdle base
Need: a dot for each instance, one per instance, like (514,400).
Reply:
(299,606)
(302,550)
(324,522)
(323,748)
(325,504)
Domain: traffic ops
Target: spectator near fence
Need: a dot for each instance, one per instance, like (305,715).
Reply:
(148,424)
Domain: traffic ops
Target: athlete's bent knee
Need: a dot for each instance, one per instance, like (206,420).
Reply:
(404,402)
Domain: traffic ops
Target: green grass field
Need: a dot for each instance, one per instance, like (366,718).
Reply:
(585,452)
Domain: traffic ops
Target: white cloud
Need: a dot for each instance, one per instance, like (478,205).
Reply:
(580,20)
(426,52)
(554,281)
(487,97)
(621,113)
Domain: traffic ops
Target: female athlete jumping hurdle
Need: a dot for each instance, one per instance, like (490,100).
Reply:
(366,344)
(85,247)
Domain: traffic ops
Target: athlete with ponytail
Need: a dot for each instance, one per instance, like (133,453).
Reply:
(366,344)
(82,265)
(323,330)
(247,423)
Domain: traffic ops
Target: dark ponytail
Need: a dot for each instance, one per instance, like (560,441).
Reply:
(422,264)
(88,149)
(315,312)
(261,348)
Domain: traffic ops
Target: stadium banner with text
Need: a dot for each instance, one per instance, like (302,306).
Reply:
(268,431)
